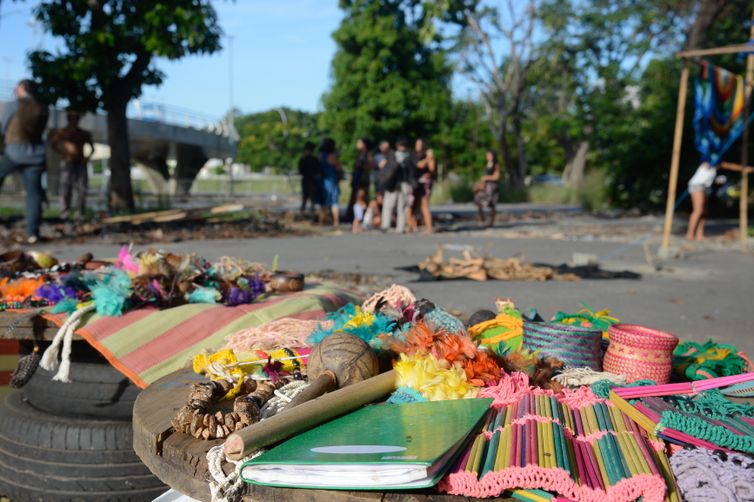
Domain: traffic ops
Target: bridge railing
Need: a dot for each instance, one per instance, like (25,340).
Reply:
(157,112)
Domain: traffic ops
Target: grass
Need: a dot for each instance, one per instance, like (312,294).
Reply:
(591,195)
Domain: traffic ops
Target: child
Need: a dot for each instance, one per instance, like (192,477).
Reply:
(359,210)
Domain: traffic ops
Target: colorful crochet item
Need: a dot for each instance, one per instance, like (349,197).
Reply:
(708,360)
(585,452)
(439,319)
(638,352)
(502,334)
(703,475)
(577,347)
(706,419)
(602,388)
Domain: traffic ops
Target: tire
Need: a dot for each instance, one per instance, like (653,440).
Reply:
(97,389)
(52,458)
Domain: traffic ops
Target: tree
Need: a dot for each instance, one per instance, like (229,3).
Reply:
(498,51)
(390,77)
(107,54)
(275,138)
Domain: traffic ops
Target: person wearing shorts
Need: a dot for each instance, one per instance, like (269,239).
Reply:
(699,188)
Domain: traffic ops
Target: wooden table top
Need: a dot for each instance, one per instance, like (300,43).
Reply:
(180,461)
(26,328)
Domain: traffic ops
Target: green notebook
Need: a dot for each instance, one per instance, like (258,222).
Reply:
(384,446)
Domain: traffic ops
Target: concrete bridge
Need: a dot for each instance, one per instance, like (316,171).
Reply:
(160,136)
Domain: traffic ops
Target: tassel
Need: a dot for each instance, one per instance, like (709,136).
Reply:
(27,366)
(49,360)
(64,371)
(65,336)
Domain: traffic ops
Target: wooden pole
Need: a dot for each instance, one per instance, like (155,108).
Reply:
(743,223)
(676,159)
(717,51)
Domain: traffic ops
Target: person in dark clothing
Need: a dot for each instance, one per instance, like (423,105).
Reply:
(332,173)
(22,126)
(398,179)
(311,177)
(360,179)
(486,190)
(69,142)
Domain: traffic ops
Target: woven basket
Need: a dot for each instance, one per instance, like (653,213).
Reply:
(576,346)
(638,352)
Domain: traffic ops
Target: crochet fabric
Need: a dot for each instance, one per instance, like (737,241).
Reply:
(704,475)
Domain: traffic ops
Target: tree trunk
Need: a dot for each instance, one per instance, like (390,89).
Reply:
(120,196)
(573,174)
(522,166)
(708,12)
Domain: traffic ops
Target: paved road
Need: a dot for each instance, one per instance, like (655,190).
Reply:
(707,293)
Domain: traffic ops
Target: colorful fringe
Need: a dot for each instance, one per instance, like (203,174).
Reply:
(576,446)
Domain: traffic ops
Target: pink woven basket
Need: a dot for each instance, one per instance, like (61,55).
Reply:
(638,352)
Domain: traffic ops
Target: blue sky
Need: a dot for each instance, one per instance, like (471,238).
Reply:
(281,56)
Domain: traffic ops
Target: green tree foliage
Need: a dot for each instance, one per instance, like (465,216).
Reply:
(107,54)
(607,78)
(390,76)
(275,138)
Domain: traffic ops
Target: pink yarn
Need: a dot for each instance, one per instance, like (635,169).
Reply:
(285,332)
(395,296)
(650,487)
(510,389)
(580,397)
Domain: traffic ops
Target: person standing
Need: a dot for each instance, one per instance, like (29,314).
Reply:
(426,166)
(360,178)
(389,181)
(699,186)
(332,173)
(69,142)
(397,181)
(487,189)
(23,125)
(311,177)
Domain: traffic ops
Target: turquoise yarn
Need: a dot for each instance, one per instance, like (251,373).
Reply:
(381,324)
(403,395)
(601,388)
(440,319)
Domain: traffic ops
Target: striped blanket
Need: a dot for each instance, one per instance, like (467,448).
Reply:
(148,344)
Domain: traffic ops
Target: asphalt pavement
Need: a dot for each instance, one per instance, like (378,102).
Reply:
(707,292)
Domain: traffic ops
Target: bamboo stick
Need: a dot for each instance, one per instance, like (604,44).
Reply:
(743,223)
(717,51)
(676,159)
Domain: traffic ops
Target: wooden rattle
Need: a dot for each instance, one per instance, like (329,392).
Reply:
(336,362)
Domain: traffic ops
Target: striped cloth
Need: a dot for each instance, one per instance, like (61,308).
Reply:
(148,344)
(8,362)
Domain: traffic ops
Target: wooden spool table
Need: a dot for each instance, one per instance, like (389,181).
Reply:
(180,461)
(27,329)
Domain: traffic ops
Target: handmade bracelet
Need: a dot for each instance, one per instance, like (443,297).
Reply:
(195,419)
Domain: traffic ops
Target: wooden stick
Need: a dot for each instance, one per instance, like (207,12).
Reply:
(308,415)
(743,223)
(676,159)
(717,51)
